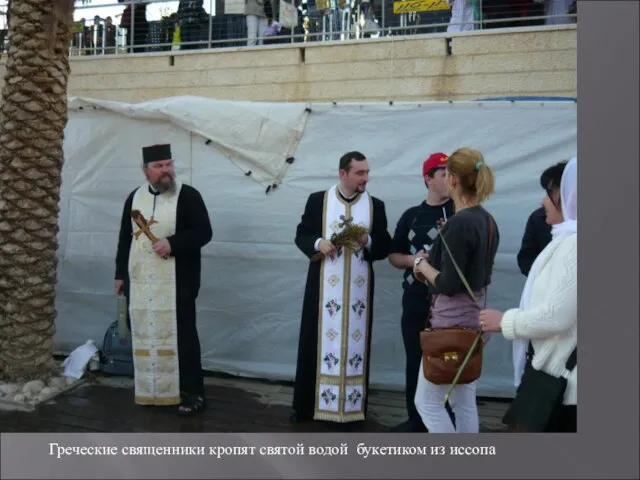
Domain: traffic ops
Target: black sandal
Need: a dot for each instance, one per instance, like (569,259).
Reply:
(192,405)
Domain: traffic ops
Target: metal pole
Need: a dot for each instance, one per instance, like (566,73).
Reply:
(210,21)
(92,39)
(300,12)
(133,27)
(104,38)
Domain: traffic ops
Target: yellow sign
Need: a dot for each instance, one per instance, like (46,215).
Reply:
(410,6)
(327,4)
(76,27)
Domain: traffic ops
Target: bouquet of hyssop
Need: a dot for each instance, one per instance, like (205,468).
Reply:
(348,237)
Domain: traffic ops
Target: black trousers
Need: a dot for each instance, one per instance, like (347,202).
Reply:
(189,354)
(191,32)
(415,309)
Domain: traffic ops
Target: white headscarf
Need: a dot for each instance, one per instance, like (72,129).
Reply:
(569,203)
(569,200)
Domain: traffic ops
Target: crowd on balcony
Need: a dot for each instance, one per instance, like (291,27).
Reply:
(283,21)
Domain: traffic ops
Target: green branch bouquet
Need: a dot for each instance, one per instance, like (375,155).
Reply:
(348,237)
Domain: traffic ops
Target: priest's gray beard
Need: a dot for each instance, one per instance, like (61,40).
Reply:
(162,187)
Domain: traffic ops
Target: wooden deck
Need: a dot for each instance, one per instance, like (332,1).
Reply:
(105,404)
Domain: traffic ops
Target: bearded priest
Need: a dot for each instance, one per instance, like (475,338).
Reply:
(164,226)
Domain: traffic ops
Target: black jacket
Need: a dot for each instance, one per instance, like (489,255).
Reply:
(537,234)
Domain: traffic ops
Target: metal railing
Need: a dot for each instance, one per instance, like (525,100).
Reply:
(99,38)
(314,21)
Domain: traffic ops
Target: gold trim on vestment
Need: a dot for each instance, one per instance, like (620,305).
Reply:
(159,401)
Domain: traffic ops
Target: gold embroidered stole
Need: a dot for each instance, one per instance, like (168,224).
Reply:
(343,331)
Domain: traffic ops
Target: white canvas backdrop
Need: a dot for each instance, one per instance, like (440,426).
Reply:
(253,275)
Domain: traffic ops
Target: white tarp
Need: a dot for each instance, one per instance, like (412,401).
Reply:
(253,275)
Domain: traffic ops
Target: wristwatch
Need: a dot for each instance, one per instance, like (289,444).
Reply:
(417,261)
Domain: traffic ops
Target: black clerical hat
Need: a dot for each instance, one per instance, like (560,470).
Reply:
(156,153)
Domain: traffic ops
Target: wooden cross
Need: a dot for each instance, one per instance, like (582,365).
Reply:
(142,223)
(345,221)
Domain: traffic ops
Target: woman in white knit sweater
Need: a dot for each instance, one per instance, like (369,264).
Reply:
(548,313)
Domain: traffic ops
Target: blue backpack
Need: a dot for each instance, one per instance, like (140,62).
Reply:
(117,353)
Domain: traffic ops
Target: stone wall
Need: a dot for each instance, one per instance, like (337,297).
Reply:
(522,61)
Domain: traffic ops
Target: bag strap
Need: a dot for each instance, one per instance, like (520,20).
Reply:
(572,361)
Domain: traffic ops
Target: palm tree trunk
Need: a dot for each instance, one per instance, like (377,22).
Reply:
(33,116)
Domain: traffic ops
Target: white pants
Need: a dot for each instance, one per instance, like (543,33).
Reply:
(462,17)
(429,401)
(255,29)
(555,8)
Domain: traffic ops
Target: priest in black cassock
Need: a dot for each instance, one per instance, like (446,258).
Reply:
(334,349)
(164,226)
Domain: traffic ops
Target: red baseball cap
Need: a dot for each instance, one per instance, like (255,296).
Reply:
(435,160)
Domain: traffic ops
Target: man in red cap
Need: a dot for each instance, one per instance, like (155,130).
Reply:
(415,232)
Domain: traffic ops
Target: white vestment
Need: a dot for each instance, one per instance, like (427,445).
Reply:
(343,324)
(152,303)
